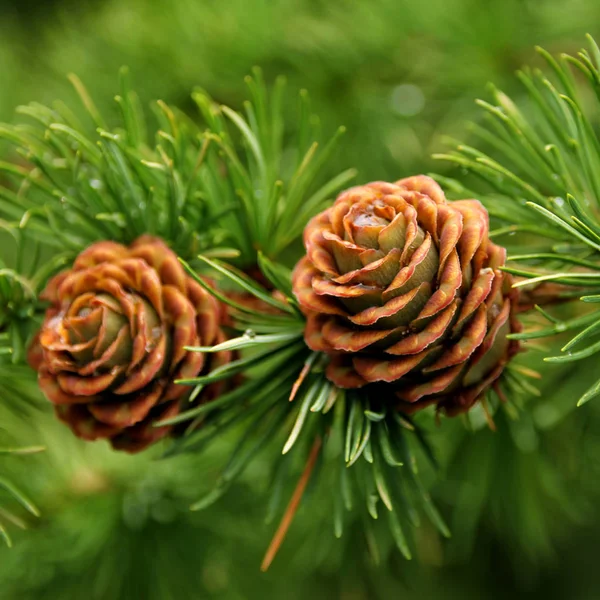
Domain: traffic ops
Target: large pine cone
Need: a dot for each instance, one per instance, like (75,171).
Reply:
(404,291)
(112,343)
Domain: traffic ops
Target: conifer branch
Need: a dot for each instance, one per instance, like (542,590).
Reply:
(537,173)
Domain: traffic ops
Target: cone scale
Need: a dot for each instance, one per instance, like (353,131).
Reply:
(403,290)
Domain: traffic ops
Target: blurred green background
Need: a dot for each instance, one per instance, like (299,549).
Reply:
(400,75)
(397,73)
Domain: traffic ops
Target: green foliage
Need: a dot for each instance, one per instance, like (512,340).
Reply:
(18,299)
(269,188)
(15,506)
(540,178)
(17,304)
(13,492)
(78,186)
(80,182)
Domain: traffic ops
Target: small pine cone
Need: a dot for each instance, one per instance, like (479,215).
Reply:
(403,290)
(113,341)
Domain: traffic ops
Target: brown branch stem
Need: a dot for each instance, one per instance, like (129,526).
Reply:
(293,505)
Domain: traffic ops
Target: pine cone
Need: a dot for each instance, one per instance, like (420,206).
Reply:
(112,343)
(404,291)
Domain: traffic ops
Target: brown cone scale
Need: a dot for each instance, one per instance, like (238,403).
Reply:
(113,341)
(404,291)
